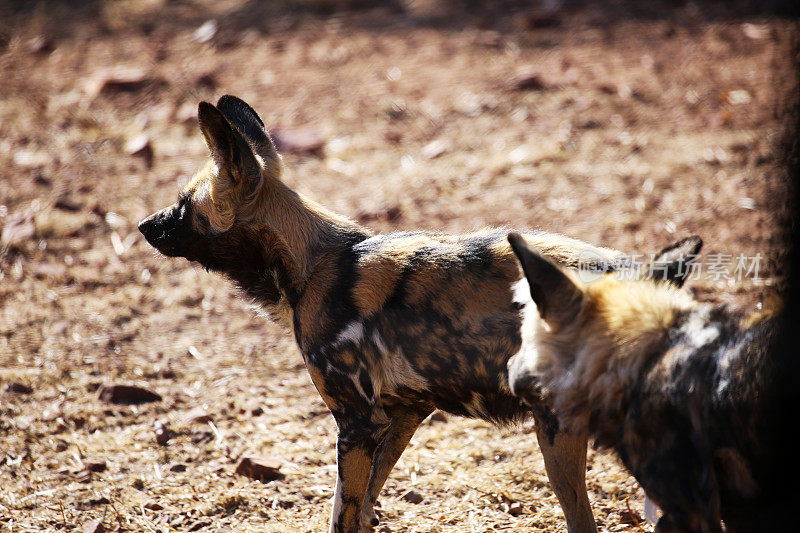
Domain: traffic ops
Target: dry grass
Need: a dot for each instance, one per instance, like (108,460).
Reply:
(635,142)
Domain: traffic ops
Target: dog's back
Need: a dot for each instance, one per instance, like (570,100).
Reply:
(432,318)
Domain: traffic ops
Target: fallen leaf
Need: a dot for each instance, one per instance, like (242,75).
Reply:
(260,468)
(302,141)
(127,394)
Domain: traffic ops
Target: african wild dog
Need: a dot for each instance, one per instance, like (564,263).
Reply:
(390,326)
(683,391)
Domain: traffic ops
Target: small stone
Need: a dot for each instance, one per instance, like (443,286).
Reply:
(140,146)
(739,96)
(127,395)
(178,467)
(186,113)
(50,271)
(153,506)
(94,526)
(412,496)
(393,213)
(393,136)
(201,437)
(755,31)
(16,387)
(515,509)
(438,416)
(434,149)
(198,415)
(96,466)
(207,81)
(528,81)
(59,328)
(123,80)
(19,228)
(206,31)
(163,434)
(201,524)
(258,411)
(301,141)
(66,203)
(42,179)
(607,88)
(260,468)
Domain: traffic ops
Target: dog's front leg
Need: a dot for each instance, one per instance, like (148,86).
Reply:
(363,423)
(565,462)
(355,448)
(404,421)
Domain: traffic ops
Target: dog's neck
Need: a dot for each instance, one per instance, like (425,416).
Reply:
(287,238)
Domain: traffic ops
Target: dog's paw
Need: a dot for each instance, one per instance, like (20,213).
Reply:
(369,519)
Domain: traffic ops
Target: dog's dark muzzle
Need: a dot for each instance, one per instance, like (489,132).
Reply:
(165,230)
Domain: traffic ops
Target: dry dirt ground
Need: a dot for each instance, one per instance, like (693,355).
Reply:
(621,125)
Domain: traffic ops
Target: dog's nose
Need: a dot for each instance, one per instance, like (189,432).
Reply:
(148,227)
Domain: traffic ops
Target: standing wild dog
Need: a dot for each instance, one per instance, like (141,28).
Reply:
(390,326)
(683,391)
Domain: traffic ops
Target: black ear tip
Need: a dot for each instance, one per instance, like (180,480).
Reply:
(517,242)
(690,245)
(228,98)
(204,109)
(697,243)
(514,238)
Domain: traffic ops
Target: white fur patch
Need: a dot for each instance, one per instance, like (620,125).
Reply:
(337,503)
(697,329)
(521,292)
(651,510)
(352,332)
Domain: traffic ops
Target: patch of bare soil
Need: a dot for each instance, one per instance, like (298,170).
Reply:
(621,127)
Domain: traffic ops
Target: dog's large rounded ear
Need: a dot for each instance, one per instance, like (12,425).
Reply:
(674,263)
(557,297)
(245,119)
(229,150)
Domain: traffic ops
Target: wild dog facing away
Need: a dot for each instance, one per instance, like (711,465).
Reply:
(683,391)
(390,326)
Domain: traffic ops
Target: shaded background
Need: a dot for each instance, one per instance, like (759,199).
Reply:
(626,124)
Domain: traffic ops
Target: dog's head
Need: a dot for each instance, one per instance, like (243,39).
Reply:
(220,201)
(577,327)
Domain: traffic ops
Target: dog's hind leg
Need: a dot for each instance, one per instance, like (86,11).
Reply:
(565,461)
(404,421)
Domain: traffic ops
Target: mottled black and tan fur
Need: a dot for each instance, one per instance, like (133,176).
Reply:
(390,326)
(681,390)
